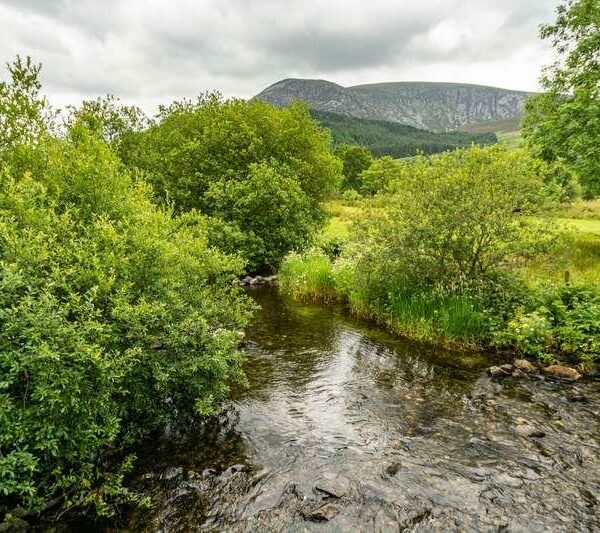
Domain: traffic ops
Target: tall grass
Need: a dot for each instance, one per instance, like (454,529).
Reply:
(421,316)
(431,317)
(308,278)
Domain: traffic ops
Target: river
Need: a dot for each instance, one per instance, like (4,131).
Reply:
(344,427)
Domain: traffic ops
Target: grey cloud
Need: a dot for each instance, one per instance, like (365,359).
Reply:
(153,49)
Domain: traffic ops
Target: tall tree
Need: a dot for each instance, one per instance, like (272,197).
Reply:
(563,123)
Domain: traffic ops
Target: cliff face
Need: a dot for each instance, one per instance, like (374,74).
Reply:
(426,105)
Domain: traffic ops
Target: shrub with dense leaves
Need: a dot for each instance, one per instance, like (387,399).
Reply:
(207,155)
(115,316)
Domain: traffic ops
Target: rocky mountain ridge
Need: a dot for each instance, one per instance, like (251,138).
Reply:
(427,105)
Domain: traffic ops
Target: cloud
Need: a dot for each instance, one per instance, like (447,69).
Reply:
(153,51)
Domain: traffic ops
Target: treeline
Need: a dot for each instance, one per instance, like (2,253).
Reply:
(396,140)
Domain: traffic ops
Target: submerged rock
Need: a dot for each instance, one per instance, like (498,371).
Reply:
(563,372)
(527,430)
(333,488)
(325,513)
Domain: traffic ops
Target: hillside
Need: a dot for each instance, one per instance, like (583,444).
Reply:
(426,105)
(396,140)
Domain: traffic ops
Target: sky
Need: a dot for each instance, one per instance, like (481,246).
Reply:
(149,52)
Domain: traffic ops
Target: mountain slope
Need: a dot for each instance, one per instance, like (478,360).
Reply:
(426,105)
(396,140)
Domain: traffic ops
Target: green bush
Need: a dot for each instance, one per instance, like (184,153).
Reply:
(115,316)
(212,154)
(562,322)
(270,210)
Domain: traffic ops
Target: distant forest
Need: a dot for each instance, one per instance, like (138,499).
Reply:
(393,139)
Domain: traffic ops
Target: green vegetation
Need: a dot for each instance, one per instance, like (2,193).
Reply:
(563,123)
(458,249)
(121,240)
(262,171)
(393,139)
(356,159)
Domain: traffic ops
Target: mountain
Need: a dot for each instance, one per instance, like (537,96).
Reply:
(396,140)
(426,105)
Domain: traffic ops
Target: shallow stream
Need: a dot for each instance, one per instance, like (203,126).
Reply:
(346,428)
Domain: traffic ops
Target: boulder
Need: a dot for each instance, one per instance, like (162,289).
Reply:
(525,366)
(500,371)
(562,372)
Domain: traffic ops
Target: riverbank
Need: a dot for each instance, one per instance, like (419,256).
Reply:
(551,317)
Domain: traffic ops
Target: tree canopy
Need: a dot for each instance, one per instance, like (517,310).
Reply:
(563,123)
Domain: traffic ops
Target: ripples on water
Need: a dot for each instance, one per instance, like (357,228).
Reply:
(385,433)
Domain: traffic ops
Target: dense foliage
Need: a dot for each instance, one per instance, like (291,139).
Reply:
(437,257)
(393,139)
(562,124)
(115,315)
(356,159)
(208,154)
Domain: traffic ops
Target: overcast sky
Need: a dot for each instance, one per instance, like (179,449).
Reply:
(153,51)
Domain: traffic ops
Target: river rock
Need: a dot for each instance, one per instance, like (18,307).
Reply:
(247,280)
(325,513)
(527,430)
(500,371)
(563,372)
(525,366)
(577,397)
(333,488)
(172,472)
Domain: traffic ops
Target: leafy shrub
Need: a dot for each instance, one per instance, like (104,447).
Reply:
(209,154)
(457,217)
(561,321)
(379,175)
(271,211)
(115,316)
(528,334)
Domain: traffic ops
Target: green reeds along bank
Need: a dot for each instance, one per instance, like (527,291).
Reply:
(420,316)
(308,278)
(431,318)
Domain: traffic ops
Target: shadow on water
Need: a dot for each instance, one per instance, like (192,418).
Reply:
(345,423)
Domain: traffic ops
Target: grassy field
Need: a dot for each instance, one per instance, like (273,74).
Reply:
(512,139)
(507,131)
(577,252)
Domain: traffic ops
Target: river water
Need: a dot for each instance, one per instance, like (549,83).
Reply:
(346,428)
